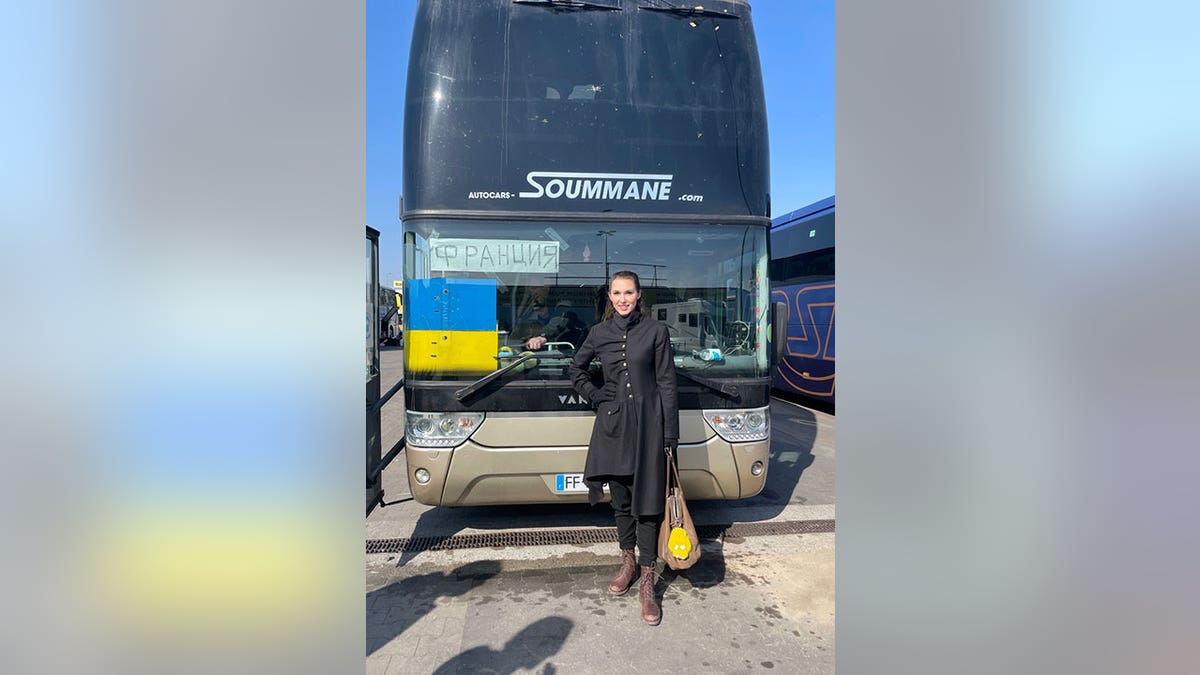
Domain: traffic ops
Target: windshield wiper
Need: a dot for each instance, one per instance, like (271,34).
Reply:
(690,11)
(567,4)
(727,390)
(497,374)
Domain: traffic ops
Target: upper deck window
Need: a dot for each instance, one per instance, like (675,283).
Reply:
(497,90)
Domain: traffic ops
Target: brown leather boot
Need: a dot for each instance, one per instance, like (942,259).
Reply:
(625,576)
(651,612)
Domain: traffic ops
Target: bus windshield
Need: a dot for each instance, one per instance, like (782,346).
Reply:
(479,291)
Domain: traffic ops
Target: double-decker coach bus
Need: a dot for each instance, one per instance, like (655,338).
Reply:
(548,144)
(802,276)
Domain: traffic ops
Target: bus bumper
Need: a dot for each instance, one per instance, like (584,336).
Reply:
(474,474)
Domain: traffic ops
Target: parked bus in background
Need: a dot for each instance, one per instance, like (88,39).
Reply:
(802,276)
(548,144)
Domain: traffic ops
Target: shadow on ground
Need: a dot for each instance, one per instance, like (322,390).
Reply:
(708,571)
(393,609)
(444,522)
(530,646)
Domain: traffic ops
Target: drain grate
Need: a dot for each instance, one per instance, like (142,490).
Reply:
(599,535)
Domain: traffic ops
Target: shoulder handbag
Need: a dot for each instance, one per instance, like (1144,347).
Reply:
(678,543)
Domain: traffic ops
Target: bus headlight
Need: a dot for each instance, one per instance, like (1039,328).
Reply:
(740,425)
(440,430)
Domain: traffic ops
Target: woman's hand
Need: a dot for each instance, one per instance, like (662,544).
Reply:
(604,394)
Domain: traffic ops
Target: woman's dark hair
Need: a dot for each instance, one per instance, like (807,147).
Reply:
(609,310)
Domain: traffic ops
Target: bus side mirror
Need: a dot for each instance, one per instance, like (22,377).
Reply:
(779,332)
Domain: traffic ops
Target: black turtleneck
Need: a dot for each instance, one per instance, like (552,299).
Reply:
(625,322)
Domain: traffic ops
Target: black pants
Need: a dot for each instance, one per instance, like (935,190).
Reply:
(631,529)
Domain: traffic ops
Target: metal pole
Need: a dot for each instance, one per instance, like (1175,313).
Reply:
(606,234)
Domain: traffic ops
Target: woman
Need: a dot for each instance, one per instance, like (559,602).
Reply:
(637,415)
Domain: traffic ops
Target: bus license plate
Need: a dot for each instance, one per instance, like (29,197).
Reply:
(569,482)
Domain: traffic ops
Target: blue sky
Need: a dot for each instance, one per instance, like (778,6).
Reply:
(795,43)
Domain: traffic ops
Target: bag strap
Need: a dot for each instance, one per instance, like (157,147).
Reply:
(674,488)
(672,469)
(674,518)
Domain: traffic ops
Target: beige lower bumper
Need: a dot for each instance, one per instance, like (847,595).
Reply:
(477,474)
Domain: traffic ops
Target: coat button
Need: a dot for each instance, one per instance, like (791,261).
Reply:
(628,384)
(631,396)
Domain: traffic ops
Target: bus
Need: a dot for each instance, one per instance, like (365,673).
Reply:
(390,317)
(547,145)
(802,253)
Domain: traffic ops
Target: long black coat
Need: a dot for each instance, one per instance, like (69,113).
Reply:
(629,432)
